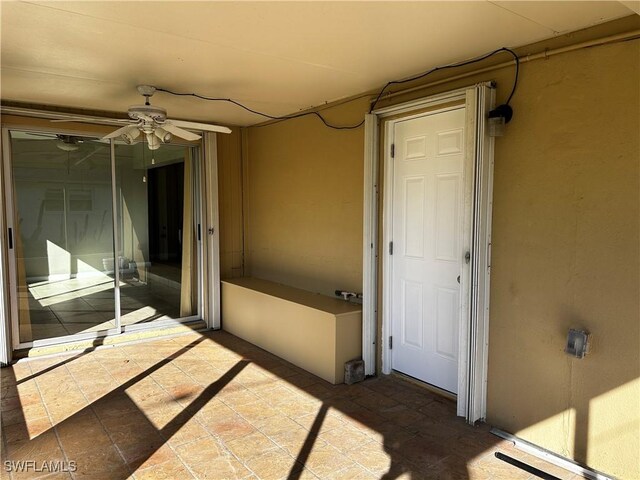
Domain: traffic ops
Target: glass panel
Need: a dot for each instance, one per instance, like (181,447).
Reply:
(157,244)
(63,234)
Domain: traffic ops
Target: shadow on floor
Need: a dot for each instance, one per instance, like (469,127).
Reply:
(214,406)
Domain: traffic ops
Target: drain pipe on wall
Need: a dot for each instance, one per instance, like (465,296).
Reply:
(551,457)
(526,467)
(622,37)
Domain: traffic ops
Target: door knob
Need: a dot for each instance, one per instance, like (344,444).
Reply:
(467,257)
(458,279)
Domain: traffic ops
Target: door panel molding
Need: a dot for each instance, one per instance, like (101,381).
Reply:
(427,225)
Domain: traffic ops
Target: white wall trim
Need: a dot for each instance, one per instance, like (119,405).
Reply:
(387,266)
(211,238)
(474,325)
(427,102)
(484,99)
(370,244)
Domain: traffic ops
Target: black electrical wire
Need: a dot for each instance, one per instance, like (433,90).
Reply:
(272,117)
(455,65)
(373,105)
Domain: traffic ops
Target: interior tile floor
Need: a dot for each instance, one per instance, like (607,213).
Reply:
(81,305)
(213,406)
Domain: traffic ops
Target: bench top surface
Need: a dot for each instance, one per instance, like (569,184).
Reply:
(296,295)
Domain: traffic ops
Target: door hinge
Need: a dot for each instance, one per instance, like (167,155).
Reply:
(390,248)
(391,342)
(393,150)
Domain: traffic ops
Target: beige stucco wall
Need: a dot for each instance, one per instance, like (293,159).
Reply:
(566,254)
(304,191)
(566,242)
(230,205)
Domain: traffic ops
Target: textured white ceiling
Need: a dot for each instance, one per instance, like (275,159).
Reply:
(278,57)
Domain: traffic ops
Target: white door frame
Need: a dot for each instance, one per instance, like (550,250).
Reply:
(474,319)
(211,232)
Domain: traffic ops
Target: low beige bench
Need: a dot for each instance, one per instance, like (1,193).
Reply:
(315,332)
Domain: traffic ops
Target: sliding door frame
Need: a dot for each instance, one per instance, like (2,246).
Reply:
(206,258)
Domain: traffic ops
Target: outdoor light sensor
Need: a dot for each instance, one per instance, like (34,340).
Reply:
(577,343)
(498,118)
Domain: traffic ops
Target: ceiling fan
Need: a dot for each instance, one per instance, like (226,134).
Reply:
(153,123)
(68,143)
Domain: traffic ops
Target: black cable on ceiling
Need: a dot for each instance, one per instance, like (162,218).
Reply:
(373,105)
(455,65)
(272,117)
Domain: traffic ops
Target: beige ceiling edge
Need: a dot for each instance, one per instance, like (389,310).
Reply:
(41,110)
(632,5)
(625,25)
(622,25)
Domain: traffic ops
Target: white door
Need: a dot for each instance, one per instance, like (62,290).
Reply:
(427,256)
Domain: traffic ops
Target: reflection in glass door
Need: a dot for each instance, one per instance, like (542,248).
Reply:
(69,247)
(63,235)
(157,219)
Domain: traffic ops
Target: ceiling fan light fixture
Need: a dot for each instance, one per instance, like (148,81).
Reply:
(153,142)
(163,135)
(67,147)
(130,136)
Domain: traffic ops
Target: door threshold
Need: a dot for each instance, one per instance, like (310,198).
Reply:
(427,386)
(110,341)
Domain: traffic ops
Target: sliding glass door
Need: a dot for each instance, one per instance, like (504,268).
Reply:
(101,241)
(62,235)
(158,236)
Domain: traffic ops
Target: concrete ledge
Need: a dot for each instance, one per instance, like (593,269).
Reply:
(312,331)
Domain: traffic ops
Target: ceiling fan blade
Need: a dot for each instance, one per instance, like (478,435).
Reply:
(87,156)
(179,132)
(200,126)
(120,131)
(110,121)
(70,119)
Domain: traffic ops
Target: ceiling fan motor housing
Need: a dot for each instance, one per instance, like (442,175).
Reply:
(144,112)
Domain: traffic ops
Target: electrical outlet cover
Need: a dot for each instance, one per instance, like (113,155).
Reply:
(577,343)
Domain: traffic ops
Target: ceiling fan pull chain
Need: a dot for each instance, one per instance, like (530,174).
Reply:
(144,165)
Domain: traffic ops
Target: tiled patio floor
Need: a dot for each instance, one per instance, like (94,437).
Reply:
(214,406)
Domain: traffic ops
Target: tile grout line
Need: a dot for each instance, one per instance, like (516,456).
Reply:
(263,390)
(91,406)
(171,447)
(242,462)
(53,424)
(221,443)
(205,428)
(5,443)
